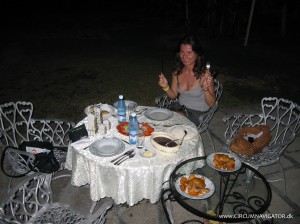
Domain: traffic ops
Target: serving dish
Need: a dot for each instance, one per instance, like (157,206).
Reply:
(164,137)
(123,128)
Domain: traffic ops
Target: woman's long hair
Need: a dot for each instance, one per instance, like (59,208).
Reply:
(198,68)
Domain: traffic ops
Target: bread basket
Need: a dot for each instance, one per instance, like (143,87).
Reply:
(161,147)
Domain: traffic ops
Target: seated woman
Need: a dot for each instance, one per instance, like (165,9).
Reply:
(192,84)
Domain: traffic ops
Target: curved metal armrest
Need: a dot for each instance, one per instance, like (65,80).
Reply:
(22,162)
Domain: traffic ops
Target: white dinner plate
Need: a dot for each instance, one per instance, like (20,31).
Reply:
(209,184)
(107,147)
(178,132)
(210,162)
(159,114)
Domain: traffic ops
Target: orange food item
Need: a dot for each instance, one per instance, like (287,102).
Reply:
(222,161)
(193,185)
(123,128)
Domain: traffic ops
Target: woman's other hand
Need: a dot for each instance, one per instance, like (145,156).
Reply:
(163,82)
(207,80)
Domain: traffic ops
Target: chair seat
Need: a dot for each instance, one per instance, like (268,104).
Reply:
(57,213)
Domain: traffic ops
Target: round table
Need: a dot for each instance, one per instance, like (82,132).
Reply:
(137,178)
(234,199)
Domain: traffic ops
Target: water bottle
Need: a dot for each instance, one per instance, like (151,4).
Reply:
(121,109)
(133,129)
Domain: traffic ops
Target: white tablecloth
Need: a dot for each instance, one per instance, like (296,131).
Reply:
(135,179)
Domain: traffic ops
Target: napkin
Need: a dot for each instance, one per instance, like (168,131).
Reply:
(91,121)
(178,131)
(81,142)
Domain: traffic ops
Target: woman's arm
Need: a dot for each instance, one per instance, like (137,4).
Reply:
(207,85)
(171,91)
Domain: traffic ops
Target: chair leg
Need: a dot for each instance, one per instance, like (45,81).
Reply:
(210,140)
(283,177)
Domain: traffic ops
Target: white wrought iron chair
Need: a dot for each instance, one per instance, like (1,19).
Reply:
(282,117)
(164,101)
(17,125)
(31,201)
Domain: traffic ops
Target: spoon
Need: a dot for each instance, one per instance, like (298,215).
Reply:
(185,132)
(122,160)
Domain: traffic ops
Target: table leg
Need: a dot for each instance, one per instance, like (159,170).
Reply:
(93,207)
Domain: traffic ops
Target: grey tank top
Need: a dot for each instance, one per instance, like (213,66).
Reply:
(193,99)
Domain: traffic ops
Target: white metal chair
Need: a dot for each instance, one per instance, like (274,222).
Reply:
(17,125)
(31,201)
(164,101)
(282,117)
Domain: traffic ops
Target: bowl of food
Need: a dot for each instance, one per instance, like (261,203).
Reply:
(164,142)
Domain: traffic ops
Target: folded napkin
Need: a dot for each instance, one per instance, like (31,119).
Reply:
(178,131)
(81,143)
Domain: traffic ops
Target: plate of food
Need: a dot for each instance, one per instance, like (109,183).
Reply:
(195,186)
(159,114)
(123,128)
(106,147)
(224,162)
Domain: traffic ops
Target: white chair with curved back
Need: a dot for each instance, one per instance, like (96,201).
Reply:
(282,116)
(31,201)
(17,125)
(164,101)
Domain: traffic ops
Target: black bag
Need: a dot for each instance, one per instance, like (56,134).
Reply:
(78,133)
(45,162)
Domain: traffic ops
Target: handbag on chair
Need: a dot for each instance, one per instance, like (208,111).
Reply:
(44,161)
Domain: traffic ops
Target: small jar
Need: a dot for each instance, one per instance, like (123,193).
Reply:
(101,129)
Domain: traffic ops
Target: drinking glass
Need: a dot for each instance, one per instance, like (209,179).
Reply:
(141,138)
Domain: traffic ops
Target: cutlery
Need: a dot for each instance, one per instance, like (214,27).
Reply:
(122,160)
(141,111)
(185,132)
(125,141)
(208,65)
(128,153)
(170,125)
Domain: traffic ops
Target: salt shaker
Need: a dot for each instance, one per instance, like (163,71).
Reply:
(102,129)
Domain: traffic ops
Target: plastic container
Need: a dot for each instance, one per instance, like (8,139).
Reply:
(133,129)
(121,108)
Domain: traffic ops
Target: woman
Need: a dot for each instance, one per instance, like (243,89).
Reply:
(193,87)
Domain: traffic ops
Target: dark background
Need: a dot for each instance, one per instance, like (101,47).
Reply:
(46,45)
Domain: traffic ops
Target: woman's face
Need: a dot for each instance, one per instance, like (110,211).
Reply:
(187,55)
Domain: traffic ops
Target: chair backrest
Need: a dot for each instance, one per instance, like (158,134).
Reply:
(27,198)
(164,101)
(280,115)
(17,125)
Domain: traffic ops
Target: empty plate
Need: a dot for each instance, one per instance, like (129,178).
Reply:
(159,114)
(107,147)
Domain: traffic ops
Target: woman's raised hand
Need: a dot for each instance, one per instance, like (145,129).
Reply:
(206,80)
(163,82)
